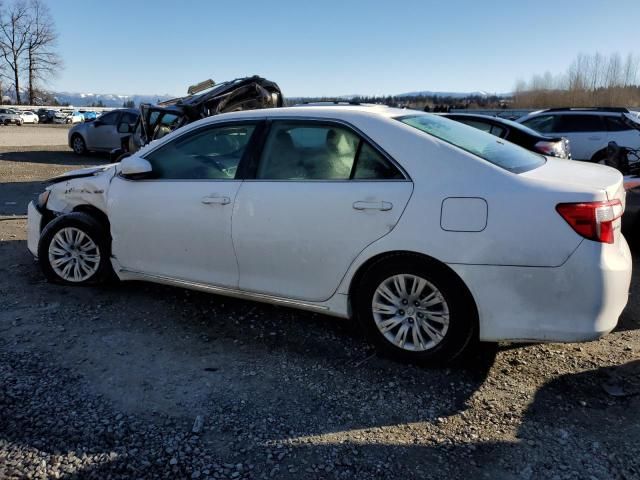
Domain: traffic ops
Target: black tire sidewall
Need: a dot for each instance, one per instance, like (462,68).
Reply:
(73,144)
(462,311)
(90,227)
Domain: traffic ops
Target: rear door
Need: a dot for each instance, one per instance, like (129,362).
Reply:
(318,196)
(622,132)
(102,132)
(587,134)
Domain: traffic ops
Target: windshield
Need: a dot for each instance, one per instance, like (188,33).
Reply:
(484,145)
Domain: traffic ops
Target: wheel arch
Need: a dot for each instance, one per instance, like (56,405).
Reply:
(356,278)
(599,155)
(97,214)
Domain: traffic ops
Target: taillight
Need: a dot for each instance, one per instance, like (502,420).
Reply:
(553,149)
(592,220)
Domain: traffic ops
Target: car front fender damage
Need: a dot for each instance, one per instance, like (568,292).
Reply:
(91,190)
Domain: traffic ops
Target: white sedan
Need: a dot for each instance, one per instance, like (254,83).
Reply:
(29,117)
(427,231)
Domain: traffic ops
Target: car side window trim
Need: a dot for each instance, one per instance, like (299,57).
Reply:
(246,156)
(252,171)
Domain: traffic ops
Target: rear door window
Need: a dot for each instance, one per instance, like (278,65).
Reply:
(317,151)
(542,123)
(579,123)
(504,154)
(616,124)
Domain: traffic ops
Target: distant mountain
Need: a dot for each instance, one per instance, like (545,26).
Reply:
(108,99)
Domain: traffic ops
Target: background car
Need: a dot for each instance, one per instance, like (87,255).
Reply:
(9,116)
(29,117)
(589,130)
(410,223)
(89,116)
(75,117)
(517,133)
(45,115)
(60,116)
(103,134)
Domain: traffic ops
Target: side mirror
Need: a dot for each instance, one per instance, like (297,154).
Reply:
(124,127)
(134,165)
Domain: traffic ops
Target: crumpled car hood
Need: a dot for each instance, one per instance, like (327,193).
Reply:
(82,172)
(86,186)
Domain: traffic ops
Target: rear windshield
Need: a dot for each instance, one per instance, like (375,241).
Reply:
(486,146)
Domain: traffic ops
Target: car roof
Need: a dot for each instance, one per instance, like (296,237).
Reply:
(320,111)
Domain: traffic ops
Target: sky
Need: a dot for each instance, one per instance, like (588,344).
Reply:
(328,48)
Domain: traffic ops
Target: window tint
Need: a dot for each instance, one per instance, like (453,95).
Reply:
(485,127)
(209,154)
(486,146)
(542,124)
(109,118)
(579,123)
(129,118)
(371,165)
(615,124)
(308,151)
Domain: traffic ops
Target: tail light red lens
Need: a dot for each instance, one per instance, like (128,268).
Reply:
(592,220)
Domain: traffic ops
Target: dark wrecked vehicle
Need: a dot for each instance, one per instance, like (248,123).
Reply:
(203,100)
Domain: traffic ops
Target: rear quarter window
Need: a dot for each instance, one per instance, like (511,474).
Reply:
(504,154)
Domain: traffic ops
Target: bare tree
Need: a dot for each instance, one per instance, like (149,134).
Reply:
(14,33)
(42,60)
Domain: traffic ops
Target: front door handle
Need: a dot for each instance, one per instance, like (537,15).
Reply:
(215,200)
(595,138)
(383,206)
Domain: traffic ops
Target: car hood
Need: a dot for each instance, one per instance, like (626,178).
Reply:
(84,172)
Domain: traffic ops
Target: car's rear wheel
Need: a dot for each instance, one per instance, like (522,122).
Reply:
(78,145)
(74,250)
(415,309)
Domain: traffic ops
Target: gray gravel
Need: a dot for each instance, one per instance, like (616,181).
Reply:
(145,381)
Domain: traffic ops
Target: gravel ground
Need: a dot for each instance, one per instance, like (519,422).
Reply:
(145,381)
(33,135)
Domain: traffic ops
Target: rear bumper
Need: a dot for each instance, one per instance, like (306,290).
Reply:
(34,222)
(578,301)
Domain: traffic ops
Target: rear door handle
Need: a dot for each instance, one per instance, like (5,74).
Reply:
(383,206)
(215,200)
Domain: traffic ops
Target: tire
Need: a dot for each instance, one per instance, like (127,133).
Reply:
(84,243)
(451,321)
(600,157)
(78,145)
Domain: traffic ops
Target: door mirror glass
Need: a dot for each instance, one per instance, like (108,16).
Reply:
(134,165)
(124,127)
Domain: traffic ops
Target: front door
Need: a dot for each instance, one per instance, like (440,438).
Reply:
(320,195)
(102,132)
(177,224)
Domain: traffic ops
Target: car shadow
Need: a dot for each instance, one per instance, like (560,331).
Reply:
(15,196)
(54,157)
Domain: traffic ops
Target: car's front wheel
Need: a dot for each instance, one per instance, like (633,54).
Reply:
(78,145)
(415,309)
(74,250)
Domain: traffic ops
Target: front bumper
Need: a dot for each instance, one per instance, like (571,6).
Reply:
(34,222)
(578,301)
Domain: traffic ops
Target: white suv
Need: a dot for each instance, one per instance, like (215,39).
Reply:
(589,130)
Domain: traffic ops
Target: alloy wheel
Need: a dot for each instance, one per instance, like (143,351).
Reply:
(73,255)
(410,312)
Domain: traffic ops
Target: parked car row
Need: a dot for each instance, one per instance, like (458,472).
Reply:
(9,116)
(65,116)
(428,232)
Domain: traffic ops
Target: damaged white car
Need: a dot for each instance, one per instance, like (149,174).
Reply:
(430,232)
